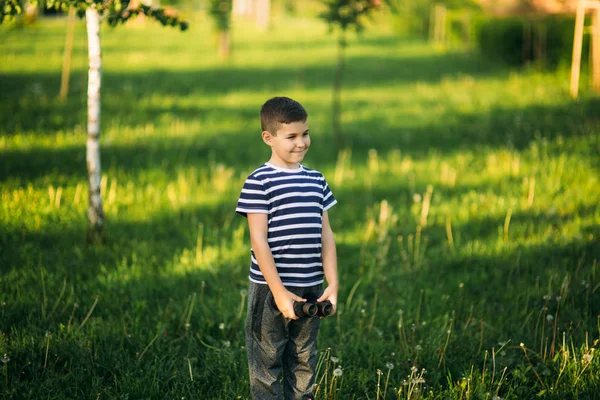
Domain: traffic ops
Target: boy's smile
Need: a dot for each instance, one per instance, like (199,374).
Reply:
(290,144)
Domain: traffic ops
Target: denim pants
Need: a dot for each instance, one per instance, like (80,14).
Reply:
(274,343)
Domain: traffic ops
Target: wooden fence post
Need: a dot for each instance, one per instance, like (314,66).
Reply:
(582,7)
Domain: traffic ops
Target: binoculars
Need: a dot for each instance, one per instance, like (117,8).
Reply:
(313,308)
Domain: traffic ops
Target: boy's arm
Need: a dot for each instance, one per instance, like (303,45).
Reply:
(258,236)
(329,256)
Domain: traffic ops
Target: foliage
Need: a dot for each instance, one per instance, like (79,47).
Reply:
(117,11)
(9,9)
(220,10)
(467,220)
(346,14)
(544,40)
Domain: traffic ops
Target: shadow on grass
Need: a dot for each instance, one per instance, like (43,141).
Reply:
(28,100)
(500,128)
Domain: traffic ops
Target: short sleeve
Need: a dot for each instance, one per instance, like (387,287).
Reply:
(328,198)
(253,198)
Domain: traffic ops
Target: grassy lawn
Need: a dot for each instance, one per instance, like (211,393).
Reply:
(467,226)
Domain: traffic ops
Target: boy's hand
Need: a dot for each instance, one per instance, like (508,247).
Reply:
(330,294)
(285,303)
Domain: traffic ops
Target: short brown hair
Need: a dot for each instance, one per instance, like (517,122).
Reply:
(280,110)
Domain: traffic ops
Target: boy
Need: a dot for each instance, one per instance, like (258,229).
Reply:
(292,249)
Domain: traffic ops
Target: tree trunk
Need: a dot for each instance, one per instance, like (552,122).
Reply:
(242,7)
(224,45)
(337,92)
(95,212)
(66,70)
(263,14)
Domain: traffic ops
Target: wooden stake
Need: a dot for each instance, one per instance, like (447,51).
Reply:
(596,50)
(66,70)
(577,44)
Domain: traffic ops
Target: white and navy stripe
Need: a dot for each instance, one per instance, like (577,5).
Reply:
(294,200)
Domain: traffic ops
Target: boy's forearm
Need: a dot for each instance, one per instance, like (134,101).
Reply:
(329,255)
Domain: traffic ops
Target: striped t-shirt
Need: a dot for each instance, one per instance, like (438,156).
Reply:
(294,200)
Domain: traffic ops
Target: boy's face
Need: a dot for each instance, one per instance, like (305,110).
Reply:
(290,144)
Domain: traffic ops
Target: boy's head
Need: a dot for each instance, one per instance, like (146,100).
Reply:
(285,129)
(278,111)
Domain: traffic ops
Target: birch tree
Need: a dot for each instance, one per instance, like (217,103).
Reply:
(115,12)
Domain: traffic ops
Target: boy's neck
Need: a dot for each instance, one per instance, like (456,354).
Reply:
(279,164)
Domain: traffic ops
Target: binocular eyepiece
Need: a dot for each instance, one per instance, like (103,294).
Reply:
(313,308)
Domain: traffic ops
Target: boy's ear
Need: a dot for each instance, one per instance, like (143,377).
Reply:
(267,137)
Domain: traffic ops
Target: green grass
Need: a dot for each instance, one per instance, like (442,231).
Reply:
(467,221)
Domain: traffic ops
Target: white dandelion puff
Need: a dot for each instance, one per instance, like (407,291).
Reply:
(338,372)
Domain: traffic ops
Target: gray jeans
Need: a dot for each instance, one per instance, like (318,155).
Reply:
(274,343)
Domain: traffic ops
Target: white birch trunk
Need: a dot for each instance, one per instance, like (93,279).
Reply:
(95,212)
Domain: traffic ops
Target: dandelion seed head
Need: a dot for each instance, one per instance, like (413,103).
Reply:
(549,317)
(448,331)
(558,298)
(221,326)
(338,372)
(418,347)
(226,343)
(461,285)
(5,358)
(522,344)
(413,369)
(379,371)
(547,297)
(416,197)
(389,365)
(334,359)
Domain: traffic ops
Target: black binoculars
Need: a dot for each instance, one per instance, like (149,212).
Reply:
(313,308)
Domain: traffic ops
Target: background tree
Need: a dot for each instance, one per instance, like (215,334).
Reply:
(220,10)
(115,12)
(342,15)
(413,17)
